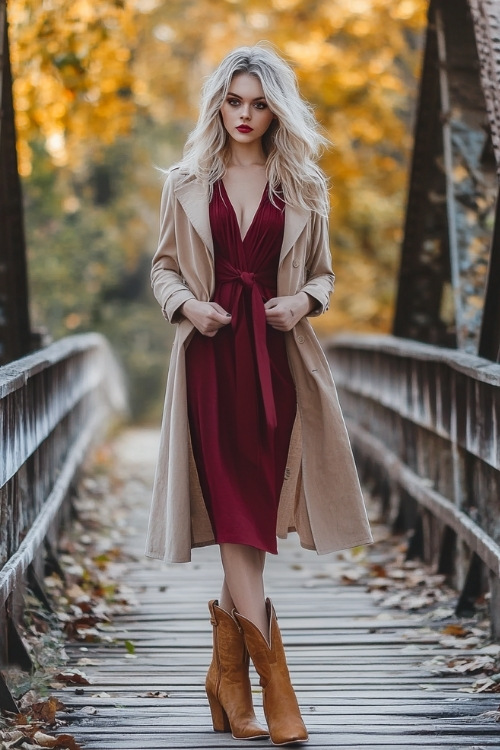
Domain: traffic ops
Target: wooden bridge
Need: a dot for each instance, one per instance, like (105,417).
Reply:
(363,673)
(423,411)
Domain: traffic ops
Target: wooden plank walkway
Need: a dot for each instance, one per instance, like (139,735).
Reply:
(357,668)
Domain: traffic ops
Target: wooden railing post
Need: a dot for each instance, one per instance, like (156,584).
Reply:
(495,605)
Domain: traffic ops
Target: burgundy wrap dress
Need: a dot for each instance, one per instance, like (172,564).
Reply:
(241,396)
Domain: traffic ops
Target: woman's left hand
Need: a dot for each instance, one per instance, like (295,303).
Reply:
(283,313)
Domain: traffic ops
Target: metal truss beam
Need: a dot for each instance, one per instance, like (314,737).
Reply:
(15,338)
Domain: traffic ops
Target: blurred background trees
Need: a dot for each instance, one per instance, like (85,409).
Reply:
(105,93)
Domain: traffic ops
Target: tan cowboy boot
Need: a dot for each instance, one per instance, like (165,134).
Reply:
(280,704)
(228,684)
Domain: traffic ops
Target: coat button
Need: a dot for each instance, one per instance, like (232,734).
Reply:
(300,339)
(287,473)
(295,264)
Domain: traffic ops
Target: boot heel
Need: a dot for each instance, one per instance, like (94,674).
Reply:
(220,721)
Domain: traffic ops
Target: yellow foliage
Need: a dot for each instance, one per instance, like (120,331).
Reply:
(72,77)
(84,68)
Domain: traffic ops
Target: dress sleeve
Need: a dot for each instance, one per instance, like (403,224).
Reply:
(319,274)
(169,287)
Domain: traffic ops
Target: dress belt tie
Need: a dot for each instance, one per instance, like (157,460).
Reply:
(253,283)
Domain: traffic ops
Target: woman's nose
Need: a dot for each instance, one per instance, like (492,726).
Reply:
(245,113)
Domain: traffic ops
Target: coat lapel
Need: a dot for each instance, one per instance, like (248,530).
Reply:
(295,220)
(193,198)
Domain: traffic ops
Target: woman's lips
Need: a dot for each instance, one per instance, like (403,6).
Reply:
(244,129)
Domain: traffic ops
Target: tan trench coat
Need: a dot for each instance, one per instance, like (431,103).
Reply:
(321,497)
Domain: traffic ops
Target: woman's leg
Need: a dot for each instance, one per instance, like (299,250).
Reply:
(227,683)
(243,586)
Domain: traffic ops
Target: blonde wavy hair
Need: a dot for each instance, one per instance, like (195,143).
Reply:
(292,144)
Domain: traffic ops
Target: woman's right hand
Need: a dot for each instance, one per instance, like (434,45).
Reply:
(207,317)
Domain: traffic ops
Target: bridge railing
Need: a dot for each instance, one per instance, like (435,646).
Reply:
(425,427)
(52,405)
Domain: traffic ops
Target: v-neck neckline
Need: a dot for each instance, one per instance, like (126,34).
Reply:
(234,211)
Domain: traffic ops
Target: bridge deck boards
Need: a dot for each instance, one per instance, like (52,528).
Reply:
(357,669)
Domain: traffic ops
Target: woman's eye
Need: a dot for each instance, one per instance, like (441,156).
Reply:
(261,105)
(233,102)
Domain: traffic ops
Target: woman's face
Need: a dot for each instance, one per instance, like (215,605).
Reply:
(245,112)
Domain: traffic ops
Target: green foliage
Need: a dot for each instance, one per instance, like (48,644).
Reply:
(90,240)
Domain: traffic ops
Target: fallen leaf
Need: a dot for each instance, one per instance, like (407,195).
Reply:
(11,739)
(378,571)
(86,662)
(440,665)
(379,583)
(485,684)
(45,711)
(72,678)
(441,613)
(28,699)
(397,574)
(154,694)
(493,649)
(461,643)
(491,715)
(67,742)
(44,740)
(75,592)
(456,630)
(415,602)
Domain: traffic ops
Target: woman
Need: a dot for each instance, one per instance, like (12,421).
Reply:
(253,442)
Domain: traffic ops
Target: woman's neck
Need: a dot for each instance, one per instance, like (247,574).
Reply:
(251,155)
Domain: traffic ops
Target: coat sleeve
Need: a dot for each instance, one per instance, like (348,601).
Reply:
(319,275)
(169,288)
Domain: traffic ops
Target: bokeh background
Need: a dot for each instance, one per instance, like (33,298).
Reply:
(105,93)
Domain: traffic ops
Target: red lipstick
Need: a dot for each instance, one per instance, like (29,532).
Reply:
(244,129)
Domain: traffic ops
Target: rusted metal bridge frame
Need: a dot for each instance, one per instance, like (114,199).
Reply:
(450,263)
(15,335)
(425,420)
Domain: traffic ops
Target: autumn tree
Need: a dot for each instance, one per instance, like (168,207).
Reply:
(89,74)
(73,78)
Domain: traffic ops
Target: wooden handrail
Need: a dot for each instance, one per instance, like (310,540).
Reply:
(424,422)
(74,369)
(53,404)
